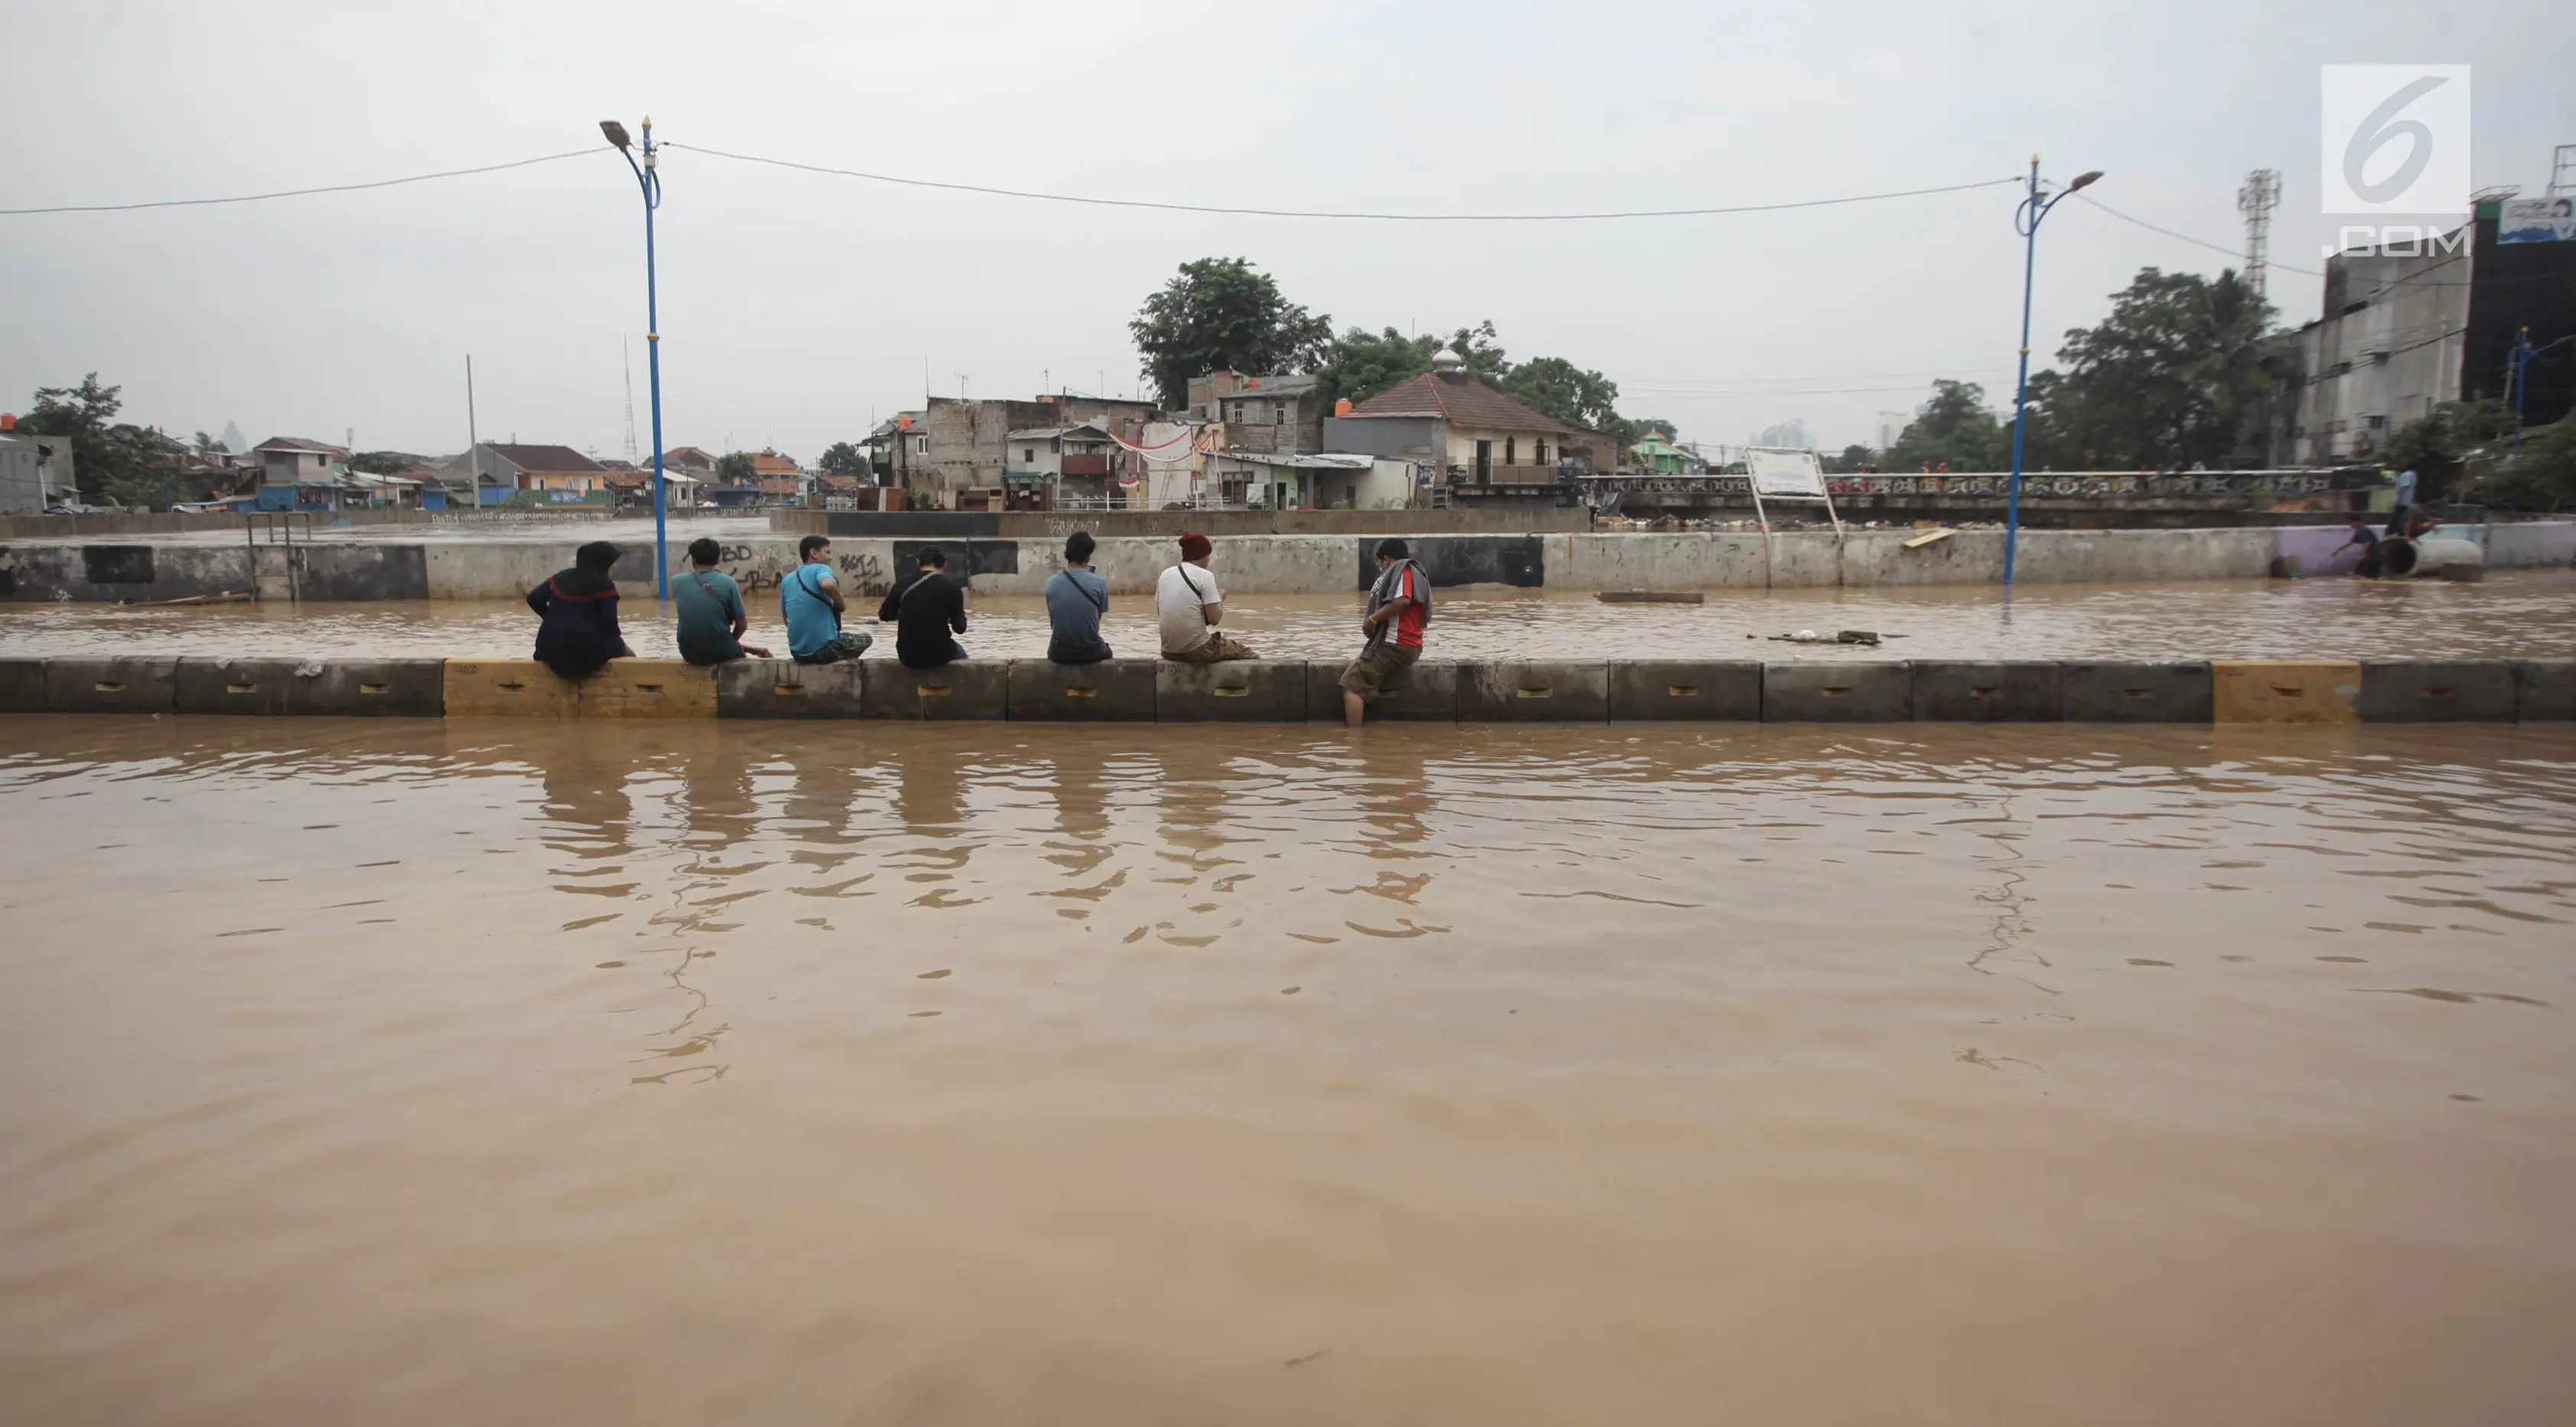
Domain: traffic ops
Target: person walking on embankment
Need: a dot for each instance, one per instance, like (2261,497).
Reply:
(1399,605)
(707,607)
(810,601)
(578,632)
(1191,607)
(927,612)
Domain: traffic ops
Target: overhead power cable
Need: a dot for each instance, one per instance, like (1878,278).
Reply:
(1335,214)
(2087,198)
(299,192)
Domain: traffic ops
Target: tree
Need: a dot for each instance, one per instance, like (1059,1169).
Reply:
(1219,312)
(1567,392)
(2538,474)
(1954,430)
(2436,445)
(1357,366)
(1853,458)
(843,459)
(206,445)
(380,463)
(113,463)
(733,468)
(2172,377)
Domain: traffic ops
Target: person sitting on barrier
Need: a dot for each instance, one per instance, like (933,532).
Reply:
(1191,607)
(578,609)
(810,600)
(1399,605)
(709,609)
(924,610)
(2368,539)
(1076,598)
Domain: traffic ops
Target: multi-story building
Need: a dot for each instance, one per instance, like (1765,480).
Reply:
(1272,415)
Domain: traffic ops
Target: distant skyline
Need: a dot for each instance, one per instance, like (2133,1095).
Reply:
(796,306)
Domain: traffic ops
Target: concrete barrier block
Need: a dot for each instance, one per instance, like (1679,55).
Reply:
(1876,691)
(2544,690)
(1646,690)
(506,688)
(126,685)
(2426,691)
(22,685)
(625,688)
(2134,693)
(1425,693)
(1243,691)
(647,688)
(1958,691)
(967,689)
(338,688)
(1533,691)
(783,688)
(1111,691)
(2285,691)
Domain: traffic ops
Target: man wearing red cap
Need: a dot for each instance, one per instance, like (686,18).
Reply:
(1191,606)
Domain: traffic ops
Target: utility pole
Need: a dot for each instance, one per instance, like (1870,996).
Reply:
(473,442)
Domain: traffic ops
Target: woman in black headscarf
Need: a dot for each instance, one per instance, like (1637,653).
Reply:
(579,607)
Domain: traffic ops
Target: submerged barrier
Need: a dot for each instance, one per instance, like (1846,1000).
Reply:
(1278,691)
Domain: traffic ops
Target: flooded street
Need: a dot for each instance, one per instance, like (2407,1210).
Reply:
(497,1072)
(2513,614)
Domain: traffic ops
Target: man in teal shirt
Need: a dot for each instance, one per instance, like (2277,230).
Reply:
(810,599)
(710,612)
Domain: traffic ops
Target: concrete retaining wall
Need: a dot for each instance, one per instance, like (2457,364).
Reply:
(1270,564)
(1148,691)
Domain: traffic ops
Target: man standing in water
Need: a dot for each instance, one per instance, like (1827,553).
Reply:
(810,599)
(2368,539)
(1399,605)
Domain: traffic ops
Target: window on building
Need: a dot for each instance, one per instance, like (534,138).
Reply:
(1028,453)
(1541,455)
(921,445)
(1281,412)
(1238,412)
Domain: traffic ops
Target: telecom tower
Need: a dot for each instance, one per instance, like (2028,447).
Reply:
(2256,200)
(630,400)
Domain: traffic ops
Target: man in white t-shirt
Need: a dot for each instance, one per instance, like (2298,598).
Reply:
(1192,606)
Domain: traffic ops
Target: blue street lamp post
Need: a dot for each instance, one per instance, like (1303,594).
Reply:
(649,179)
(2026,222)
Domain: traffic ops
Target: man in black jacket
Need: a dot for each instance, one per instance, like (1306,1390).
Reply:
(926,611)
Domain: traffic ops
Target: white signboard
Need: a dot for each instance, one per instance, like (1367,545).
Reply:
(1786,473)
(2537,220)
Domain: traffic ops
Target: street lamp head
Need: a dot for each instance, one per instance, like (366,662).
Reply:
(2083,178)
(615,131)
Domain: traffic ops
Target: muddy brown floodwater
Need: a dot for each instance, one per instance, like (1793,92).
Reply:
(420,1072)
(2514,614)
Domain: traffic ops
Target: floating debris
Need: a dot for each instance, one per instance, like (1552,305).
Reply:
(1651,597)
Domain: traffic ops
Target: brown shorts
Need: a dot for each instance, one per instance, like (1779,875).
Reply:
(1369,674)
(1217,650)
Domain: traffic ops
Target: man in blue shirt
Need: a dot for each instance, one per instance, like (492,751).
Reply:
(1076,598)
(708,606)
(2368,539)
(811,601)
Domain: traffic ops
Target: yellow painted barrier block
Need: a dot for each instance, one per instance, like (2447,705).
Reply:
(506,688)
(648,688)
(627,688)
(2285,691)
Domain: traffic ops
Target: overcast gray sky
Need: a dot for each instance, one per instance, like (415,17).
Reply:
(796,306)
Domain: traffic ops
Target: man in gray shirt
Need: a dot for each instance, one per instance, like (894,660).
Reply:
(1076,599)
